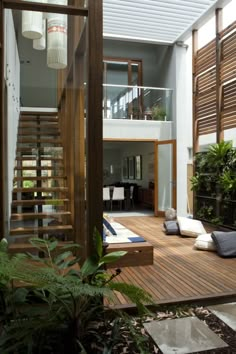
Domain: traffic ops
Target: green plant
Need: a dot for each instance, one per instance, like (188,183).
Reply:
(205,212)
(28,184)
(228,182)
(195,182)
(219,155)
(158,113)
(57,309)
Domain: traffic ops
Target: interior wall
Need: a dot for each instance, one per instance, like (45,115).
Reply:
(112,167)
(12,77)
(114,154)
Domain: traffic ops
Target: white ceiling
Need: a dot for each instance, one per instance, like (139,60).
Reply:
(160,21)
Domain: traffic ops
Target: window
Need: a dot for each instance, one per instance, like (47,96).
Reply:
(121,73)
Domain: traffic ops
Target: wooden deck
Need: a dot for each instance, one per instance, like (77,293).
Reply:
(179,273)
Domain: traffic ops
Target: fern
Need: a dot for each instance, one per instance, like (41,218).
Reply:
(53,298)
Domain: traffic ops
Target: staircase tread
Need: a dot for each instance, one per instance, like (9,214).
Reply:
(39,118)
(29,230)
(39,201)
(22,216)
(38,168)
(29,149)
(40,125)
(33,158)
(34,178)
(45,133)
(27,246)
(41,189)
(27,140)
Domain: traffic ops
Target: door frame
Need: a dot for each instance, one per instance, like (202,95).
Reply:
(174,174)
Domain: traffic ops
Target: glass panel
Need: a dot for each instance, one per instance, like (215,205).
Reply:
(137,102)
(165,158)
(116,72)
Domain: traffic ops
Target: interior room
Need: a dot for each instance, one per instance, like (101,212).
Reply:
(126,164)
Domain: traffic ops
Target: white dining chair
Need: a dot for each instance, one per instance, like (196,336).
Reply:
(118,195)
(106,195)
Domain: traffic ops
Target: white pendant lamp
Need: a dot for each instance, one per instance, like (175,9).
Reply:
(40,44)
(32,23)
(57,38)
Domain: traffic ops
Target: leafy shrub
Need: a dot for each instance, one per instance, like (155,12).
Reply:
(51,305)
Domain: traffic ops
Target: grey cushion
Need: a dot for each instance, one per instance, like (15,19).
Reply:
(225,243)
(171,227)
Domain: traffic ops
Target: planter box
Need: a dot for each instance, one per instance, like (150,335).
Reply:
(139,254)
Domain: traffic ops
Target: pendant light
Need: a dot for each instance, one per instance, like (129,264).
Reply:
(40,44)
(57,38)
(32,23)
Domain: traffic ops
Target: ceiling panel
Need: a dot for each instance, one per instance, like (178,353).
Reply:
(161,21)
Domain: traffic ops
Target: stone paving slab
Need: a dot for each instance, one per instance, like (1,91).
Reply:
(183,335)
(225,312)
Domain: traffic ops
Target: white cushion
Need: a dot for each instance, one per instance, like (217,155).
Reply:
(190,227)
(117,239)
(117,225)
(125,232)
(205,242)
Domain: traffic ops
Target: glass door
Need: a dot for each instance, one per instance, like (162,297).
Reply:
(165,176)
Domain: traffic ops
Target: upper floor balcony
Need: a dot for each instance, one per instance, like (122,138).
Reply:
(137,103)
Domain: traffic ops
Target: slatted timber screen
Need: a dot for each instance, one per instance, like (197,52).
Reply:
(205,104)
(228,77)
(205,84)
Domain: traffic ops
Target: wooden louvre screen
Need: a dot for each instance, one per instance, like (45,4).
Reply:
(205,98)
(207,88)
(228,77)
(228,119)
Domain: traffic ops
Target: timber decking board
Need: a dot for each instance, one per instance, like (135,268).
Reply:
(179,273)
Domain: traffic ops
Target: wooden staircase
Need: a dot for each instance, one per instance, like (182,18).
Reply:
(40,206)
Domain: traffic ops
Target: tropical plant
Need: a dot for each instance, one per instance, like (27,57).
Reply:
(228,182)
(50,305)
(219,155)
(195,182)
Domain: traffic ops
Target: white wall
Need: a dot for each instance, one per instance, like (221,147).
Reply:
(136,129)
(12,78)
(112,165)
(115,152)
(178,75)
(146,151)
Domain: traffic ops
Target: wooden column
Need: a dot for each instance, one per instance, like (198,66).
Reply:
(219,27)
(79,155)
(70,128)
(94,123)
(2,129)
(195,123)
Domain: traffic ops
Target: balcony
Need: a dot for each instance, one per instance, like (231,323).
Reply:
(137,103)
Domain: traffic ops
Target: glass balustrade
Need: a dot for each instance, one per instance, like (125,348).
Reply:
(137,102)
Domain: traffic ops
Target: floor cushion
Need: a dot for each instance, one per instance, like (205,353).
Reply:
(117,226)
(171,227)
(190,227)
(225,243)
(205,242)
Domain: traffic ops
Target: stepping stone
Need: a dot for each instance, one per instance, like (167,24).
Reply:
(183,336)
(225,312)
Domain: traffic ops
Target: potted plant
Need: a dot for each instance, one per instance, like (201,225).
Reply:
(158,113)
